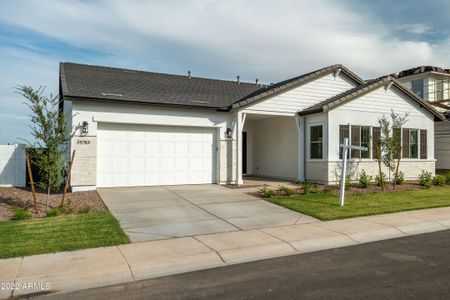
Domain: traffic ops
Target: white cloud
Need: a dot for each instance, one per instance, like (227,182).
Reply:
(416,28)
(270,40)
(267,39)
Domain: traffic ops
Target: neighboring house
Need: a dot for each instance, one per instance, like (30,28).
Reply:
(142,128)
(432,84)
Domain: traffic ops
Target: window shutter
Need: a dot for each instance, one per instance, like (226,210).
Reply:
(405,143)
(376,150)
(423,145)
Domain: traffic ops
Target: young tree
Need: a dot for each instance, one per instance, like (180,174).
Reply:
(49,129)
(396,143)
(390,145)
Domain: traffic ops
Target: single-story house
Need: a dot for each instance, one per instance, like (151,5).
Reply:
(143,128)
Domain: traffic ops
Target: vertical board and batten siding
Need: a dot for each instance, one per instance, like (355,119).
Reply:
(442,145)
(365,111)
(299,98)
(12,165)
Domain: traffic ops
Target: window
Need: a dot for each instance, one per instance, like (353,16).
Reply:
(343,133)
(410,143)
(316,146)
(360,137)
(365,141)
(439,90)
(413,144)
(356,141)
(376,150)
(417,87)
(423,145)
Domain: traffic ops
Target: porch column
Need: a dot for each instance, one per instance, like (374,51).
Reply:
(300,121)
(240,126)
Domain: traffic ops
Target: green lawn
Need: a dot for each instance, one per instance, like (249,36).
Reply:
(325,206)
(62,233)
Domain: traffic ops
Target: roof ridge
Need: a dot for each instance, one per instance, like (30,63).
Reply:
(156,73)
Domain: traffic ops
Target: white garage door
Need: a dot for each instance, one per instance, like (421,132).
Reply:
(134,155)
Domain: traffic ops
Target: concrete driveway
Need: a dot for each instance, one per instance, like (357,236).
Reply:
(153,213)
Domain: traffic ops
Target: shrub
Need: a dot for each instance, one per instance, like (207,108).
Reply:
(85,209)
(67,208)
(447,177)
(365,179)
(400,178)
(327,188)
(52,212)
(285,191)
(439,180)
(21,213)
(348,182)
(425,179)
(381,180)
(307,187)
(266,192)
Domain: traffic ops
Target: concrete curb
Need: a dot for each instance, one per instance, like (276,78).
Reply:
(89,268)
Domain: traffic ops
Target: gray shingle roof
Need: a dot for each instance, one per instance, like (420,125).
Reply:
(421,70)
(104,83)
(365,88)
(281,86)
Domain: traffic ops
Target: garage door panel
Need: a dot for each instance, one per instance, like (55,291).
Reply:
(130,155)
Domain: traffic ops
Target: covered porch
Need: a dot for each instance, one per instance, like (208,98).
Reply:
(270,146)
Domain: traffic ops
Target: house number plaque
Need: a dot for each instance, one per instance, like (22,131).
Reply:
(83,142)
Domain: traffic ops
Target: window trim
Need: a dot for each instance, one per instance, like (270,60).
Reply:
(316,142)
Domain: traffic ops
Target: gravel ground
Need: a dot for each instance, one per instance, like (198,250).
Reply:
(11,196)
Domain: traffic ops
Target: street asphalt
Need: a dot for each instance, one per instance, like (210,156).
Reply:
(415,267)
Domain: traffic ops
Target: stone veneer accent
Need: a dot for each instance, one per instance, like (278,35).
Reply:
(84,169)
(227,172)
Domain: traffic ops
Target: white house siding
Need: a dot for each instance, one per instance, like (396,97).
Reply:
(272,147)
(316,169)
(84,168)
(442,145)
(12,165)
(365,111)
(299,98)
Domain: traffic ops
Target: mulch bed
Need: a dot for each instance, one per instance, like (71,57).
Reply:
(20,197)
(353,190)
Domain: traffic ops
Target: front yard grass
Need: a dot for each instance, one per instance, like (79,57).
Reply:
(62,233)
(325,206)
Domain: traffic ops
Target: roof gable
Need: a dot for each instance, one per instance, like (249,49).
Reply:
(294,82)
(366,88)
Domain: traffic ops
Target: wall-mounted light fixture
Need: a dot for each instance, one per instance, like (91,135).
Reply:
(229,133)
(85,128)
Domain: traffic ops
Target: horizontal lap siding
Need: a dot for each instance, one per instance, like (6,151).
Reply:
(442,145)
(305,96)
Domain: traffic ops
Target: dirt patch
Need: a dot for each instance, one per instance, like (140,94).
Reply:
(11,196)
(242,186)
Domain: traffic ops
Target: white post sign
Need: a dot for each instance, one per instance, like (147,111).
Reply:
(345,147)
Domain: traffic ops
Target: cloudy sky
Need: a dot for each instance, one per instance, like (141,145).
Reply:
(269,40)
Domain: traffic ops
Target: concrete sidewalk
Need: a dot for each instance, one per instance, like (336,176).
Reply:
(68,271)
